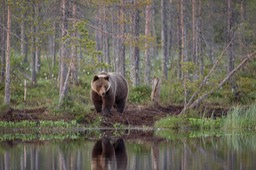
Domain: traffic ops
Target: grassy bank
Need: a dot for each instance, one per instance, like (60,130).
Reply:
(238,118)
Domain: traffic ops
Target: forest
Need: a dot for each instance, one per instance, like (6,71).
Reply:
(201,51)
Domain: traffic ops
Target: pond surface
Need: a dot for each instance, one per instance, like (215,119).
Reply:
(150,151)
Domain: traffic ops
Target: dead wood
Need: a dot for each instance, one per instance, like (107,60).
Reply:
(155,94)
(199,99)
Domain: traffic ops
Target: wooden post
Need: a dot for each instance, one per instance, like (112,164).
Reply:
(25,90)
(155,94)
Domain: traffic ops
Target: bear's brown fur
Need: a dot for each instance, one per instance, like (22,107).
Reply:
(109,90)
(103,155)
(108,156)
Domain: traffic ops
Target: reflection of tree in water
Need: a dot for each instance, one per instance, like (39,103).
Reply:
(109,156)
(45,155)
(155,155)
(232,151)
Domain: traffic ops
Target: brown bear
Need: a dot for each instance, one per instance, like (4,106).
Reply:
(120,153)
(103,155)
(109,90)
(108,156)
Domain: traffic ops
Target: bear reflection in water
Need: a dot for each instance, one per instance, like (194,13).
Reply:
(109,156)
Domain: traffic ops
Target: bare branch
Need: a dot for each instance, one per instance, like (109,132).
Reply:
(197,101)
(206,78)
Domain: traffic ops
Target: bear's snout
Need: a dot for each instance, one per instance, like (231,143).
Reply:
(102,92)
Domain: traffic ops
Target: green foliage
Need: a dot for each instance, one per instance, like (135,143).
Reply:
(46,92)
(46,136)
(140,42)
(246,90)
(86,40)
(189,67)
(16,61)
(173,122)
(97,122)
(77,101)
(140,94)
(40,95)
(188,122)
(39,124)
(3,108)
(165,94)
(241,118)
(176,92)
(72,106)
(205,123)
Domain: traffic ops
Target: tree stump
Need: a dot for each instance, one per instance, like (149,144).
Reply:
(155,94)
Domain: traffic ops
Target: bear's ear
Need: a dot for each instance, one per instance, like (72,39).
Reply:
(95,78)
(106,78)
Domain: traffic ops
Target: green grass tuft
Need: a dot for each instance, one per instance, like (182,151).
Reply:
(241,118)
(140,95)
(173,122)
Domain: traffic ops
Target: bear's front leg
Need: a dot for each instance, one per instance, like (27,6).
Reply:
(120,105)
(108,103)
(97,102)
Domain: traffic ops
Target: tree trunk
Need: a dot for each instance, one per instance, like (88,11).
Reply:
(63,58)
(73,47)
(115,41)
(23,38)
(106,38)
(196,31)
(179,37)
(194,28)
(164,37)
(33,61)
(37,46)
(148,44)
(2,48)
(22,34)
(171,21)
(242,22)
(99,35)
(153,26)
(121,47)
(198,39)
(182,35)
(196,14)
(7,96)
(53,47)
(135,67)
(183,57)
(231,58)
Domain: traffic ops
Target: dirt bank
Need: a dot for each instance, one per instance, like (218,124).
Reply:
(134,115)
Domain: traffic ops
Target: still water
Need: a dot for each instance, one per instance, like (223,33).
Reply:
(149,150)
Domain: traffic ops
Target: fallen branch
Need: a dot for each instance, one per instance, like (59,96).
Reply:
(208,75)
(198,101)
(186,105)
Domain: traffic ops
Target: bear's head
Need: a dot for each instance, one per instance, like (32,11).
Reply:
(101,84)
